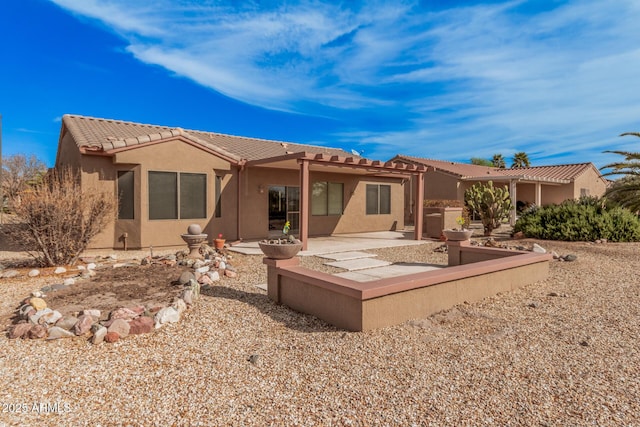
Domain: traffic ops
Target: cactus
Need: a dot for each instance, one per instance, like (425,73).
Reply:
(493,204)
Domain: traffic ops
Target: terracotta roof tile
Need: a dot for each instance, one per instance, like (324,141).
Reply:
(108,135)
(566,172)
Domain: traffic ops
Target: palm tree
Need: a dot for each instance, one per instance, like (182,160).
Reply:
(498,161)
(626,191)
(521,160)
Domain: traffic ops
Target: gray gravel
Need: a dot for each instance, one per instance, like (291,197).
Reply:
(562,352)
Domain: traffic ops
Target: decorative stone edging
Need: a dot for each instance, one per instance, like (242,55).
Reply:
(37,321)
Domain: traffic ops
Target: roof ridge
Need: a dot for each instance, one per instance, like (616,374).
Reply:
(277,141)
(77,116)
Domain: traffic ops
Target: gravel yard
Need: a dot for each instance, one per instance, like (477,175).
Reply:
(563,352)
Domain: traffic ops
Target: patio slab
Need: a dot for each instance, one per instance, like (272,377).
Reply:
(393,270)
(344,256)
(342,243)
(358,264)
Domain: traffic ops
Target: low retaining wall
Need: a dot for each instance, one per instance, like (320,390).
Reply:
(361,306)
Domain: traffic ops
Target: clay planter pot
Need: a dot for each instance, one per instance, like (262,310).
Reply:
(280,250)
(219,243)
(457,235)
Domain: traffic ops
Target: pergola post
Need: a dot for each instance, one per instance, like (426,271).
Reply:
(419,208)
(304,203)
(512,193)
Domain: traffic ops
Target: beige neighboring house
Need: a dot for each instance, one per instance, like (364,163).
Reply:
(541,185)
(243,188)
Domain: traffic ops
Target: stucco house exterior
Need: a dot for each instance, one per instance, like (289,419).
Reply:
(243,188)
(542,185)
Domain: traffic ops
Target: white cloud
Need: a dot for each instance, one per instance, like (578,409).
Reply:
(471,81)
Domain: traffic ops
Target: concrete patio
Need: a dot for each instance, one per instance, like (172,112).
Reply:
(342,243)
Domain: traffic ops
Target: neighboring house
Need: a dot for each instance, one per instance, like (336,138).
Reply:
(244,188)
(541,185)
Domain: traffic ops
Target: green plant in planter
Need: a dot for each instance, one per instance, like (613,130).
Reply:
(493,204)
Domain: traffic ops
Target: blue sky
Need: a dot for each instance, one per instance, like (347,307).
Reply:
(438,79)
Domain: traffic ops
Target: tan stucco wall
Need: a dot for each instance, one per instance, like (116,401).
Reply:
(68,154)
(364,306)
(591,180)
(440,186)
(99,173)
(354,219)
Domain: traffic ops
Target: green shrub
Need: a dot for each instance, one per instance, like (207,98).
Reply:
(585,219)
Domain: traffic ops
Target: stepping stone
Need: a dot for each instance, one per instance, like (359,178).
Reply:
(358,264)
(344,256)
(394,270)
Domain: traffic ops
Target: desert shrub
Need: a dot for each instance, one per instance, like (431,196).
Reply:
(585,219)
(59,219)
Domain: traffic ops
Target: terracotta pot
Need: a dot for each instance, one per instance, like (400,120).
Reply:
(457,235)
(219,243)
(280,250)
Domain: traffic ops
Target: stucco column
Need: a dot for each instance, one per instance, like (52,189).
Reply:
(512,193)
(538,194)
(454,251)
(273,278)
(239,202)
(419,209)
(304,203)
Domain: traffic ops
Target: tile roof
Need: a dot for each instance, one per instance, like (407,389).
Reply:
(96,134)
(567,172)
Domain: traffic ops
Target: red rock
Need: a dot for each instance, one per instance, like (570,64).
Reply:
(19,330)
(111,337)
(518,235)
(230,274)
(123,313)
(37,332)
(141,325)
(138,309)
(83,325)
(169,262)
(121,326)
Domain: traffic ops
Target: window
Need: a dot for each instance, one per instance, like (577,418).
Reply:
(218,197)
(163,195)
(584,192)
(378,199)
(327,198)
(125,195)
(193,195)
(166,202)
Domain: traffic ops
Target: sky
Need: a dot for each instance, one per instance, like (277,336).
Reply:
(440,79)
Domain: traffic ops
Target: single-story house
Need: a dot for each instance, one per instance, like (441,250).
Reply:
(243,188)
(540,185)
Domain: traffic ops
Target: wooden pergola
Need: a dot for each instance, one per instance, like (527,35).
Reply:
(305,162)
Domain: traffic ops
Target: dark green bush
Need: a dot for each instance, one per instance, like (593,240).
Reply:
(585,219)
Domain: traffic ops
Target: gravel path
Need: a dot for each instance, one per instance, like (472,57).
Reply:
(562,352)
